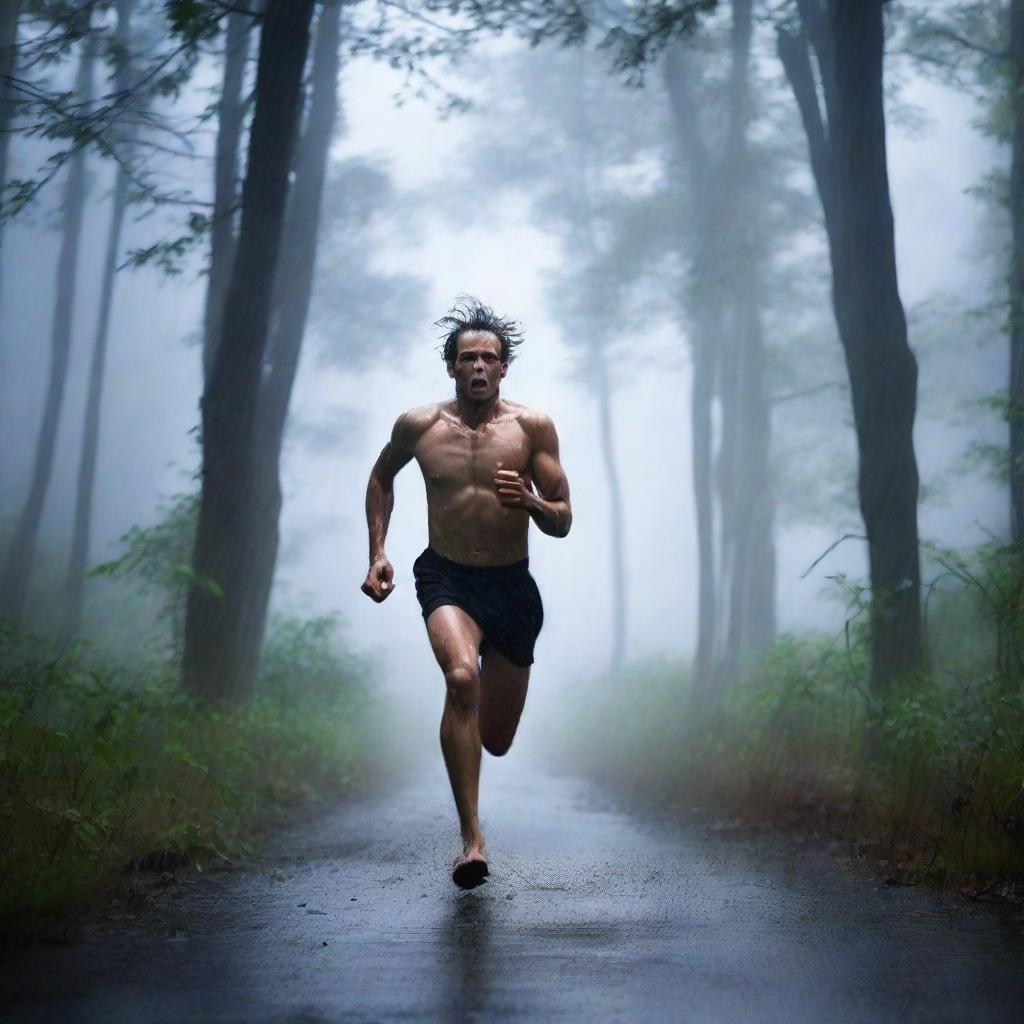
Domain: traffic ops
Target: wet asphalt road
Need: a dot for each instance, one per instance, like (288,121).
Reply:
(591,914)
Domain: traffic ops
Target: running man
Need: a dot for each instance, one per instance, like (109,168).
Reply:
(483,460)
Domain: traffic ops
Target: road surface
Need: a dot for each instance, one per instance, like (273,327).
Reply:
(591,914)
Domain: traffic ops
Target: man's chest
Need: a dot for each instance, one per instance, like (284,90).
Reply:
(453,456)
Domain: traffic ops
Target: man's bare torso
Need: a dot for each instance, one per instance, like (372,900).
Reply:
(467,521)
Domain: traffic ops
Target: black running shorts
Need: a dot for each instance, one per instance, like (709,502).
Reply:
(503,600)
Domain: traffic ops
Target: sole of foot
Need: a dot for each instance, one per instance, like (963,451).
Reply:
(468,874)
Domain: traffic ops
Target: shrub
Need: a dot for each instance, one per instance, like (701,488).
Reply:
(929,777)
(102,765)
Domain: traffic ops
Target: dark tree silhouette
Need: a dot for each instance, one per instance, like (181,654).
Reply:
(77,564)
(18,567)
(231,116)
(9,14)
(1016,388)
(221,636)
(294,288)
(848,159)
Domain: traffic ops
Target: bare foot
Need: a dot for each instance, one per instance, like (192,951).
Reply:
(470,870)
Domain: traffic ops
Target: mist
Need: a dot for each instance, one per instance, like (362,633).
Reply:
(647,204)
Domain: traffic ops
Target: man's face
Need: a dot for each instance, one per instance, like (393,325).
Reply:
(478,367)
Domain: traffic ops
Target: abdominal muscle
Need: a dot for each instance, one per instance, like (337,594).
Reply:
(469,524)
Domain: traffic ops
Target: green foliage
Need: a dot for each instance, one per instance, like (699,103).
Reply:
(301,661)
(194,21)
(634,35)
(100,766)
(928,778)
(157,65)
(169,254)
(159,558)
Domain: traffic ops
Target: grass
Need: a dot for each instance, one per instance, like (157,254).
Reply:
(101,765)
(928,781)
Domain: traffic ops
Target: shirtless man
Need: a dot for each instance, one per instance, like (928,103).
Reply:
(481,457)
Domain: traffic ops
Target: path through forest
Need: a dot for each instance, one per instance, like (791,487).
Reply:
(591,914)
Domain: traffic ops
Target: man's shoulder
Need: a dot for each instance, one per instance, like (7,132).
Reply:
(413,423)
(421,417)
(533,421)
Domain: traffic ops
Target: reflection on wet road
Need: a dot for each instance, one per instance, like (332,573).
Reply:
(590,914)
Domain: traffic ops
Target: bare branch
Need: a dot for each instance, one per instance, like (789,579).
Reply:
(830,549)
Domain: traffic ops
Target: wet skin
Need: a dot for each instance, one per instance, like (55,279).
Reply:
(490,466)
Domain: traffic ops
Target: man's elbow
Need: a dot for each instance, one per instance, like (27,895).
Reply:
(381,479)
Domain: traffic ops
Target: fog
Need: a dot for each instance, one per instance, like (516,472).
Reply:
(498,250)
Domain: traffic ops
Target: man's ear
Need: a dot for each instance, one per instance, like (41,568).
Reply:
(504,369)
(451,369)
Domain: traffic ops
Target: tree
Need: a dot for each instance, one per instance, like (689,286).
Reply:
(736,600)
(978,45)
(9,14)
(596,328)
(846,141)
(90,433)
(1016,276)
(293,288)
(221,637)
(18,565)
(231,116)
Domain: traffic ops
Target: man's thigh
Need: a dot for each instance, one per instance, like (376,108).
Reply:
(454,637)
(503,686)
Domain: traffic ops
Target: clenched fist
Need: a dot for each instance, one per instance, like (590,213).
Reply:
(512,489)
(380,580)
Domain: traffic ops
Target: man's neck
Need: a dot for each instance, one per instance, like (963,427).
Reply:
(475,413)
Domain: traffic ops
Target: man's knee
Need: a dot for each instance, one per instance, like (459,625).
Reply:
(496,745)
(463,682)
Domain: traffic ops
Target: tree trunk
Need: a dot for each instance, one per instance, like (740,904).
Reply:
(701,446)
(701,299)
(583,226)
(736,614)
(1016,281)
(848,158)
(90,434)
(752,584)
(10,11)
(293,290)
(9,14)
(619,582)
(221,640)
(231,116)
(757,498)
(749,497)
(18,566)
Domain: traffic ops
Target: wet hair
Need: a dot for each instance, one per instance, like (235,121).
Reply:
(469,314)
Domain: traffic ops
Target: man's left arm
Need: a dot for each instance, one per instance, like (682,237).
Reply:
(550,508)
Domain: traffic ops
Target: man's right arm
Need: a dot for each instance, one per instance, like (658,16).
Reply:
(380,500)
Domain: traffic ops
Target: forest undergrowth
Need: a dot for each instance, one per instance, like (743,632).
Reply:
(108,766)
(925,781)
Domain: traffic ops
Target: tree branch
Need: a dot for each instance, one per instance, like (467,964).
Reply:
(796,62)
(830,549)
